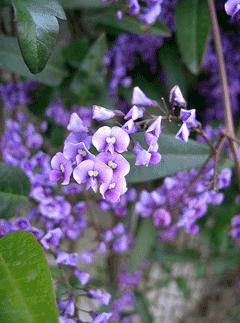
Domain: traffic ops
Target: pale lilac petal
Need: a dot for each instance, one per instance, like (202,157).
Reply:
(122,139)
(76,124)
(140,98)
(99,138)
(183,133)
(80,173)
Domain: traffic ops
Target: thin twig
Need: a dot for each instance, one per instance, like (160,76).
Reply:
(228,121)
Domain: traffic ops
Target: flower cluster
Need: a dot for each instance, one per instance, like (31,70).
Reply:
(15,93)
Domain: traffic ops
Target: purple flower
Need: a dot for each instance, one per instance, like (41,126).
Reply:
(90,171)
(81,276)
(63,319)
(118,229)
(151,13)
(189,117)
(161,217)
(119,165)
(183,133)
(130,127)
(120,244)
(102,247)
(21,224)
(101,114)
(134,7)
(153,131)
(5,227)
(140,98)
(100,295)
(62,168)
(113,190)
(76,124)
(101,318)
(108,139)
(67,259)
(155,156)
(87,257)
(77,152)
(34,141)
(176,97)
(224,178)
(232,8)
(135,113)
(50,208)
(52,237)
(142,156)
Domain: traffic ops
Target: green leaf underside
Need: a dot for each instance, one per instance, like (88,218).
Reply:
(176,156)
(37,30)
(26,293)
(14,189)
(144,241)
(90,77)
(11,60)
(130,24)
(192,33)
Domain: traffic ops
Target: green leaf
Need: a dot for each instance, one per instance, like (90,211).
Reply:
(37,30)
(192,33)
(144,241)
(80,4)
(130,24)
(14,190)
(26,292)
(172,66)
(5,3)
(176,156)
(182,285)
(75,52)
(142,307)
(89,80)
(159,253)
(11,60)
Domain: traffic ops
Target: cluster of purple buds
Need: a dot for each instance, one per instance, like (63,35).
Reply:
(148,13)
(16,93)
(109,167)
(188,117)
(164,205)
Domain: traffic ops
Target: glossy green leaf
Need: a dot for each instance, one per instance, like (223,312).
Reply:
(26,292)
(11,60)
(83,4)
(182,285)
(142,307)
(14,190)
(176,156)
(37,30)
(130,24)
(144,241)
(89,80)
(192,33)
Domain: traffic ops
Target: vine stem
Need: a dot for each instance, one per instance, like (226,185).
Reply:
(228,120)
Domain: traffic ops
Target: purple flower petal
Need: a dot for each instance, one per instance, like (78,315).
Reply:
(76,124)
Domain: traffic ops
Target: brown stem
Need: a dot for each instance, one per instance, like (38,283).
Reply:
(228,121)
